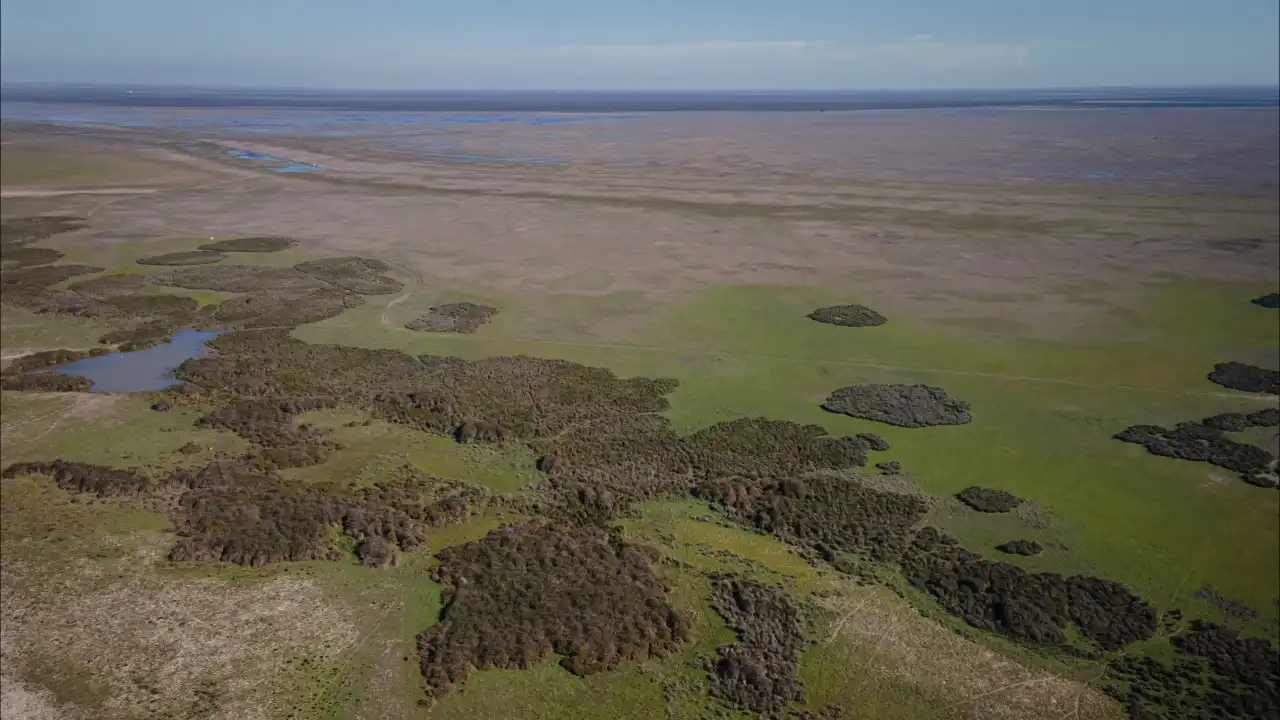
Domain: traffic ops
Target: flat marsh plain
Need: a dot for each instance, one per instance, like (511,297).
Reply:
(1069,274)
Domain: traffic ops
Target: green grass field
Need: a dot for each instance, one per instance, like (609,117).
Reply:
(1044,412)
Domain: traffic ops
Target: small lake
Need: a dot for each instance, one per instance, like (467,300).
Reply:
(141,370)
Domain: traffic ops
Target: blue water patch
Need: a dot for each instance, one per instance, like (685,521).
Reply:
(281,165)
(141,370)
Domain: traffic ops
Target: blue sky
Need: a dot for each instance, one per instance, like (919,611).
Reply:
(642,44)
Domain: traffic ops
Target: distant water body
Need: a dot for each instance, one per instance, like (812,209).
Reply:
(631,102)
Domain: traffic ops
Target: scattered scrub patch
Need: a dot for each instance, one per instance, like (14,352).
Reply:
(26,286)
(522,593)
(1249,378)
(901,405)
(49,358)
(988,500)
(85,478)
(1207,442)
(462,317)
(1230,608)
(45,382)
(108,285)
(189,257)
(353,274)
(892,467)
(1215,674)
(1237,422)
(1032,607)
(759,672)
(17,232)
(826,512)
(257,243)
(848,316)
(1021,547)
(16,257)
(1267,301)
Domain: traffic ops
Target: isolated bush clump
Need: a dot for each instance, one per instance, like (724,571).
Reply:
(1021,547)
(45,382)
(1268,301)
(988,500)
(761,671)
(892,467)
(1215,674)
(1207,443)
(359,275)
(20,231)
(522,593)
(1249,378)
(826,512)
(873,442)
(848,316)
(461,317)
(187,257)
(84,477)
(376,552)
(257,243)
(902,405)
(1033,607)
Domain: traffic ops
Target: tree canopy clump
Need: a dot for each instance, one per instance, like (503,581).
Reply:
(1249,378)
(256,243)
(1206,441)
(1215,674)
(463,317)
(522,593)
(761,671)
(988,500)
(825,512)
(910,406)
(848,316)
(188,257)
(1031,607)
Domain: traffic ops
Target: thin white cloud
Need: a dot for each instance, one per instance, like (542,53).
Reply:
(922,52)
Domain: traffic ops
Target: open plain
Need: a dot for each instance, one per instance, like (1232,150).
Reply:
(609,479)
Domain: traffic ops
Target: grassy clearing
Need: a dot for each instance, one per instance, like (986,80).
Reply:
(105,429)
(370,448)
(1044,412)
(23,331)
(21,168)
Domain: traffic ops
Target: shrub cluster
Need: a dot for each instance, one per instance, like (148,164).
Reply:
(523,593)
(187,257)
(848,316)
(988,500)
(461,317)
(1215,674)
(761,671)
(1207,442)
(1249,378)
(1033,607)
(257,243)
(826,512)
(902,405)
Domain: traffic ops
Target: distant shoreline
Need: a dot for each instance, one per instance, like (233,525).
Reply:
(642,101)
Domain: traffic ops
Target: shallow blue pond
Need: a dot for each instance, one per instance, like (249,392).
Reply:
(149,369)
